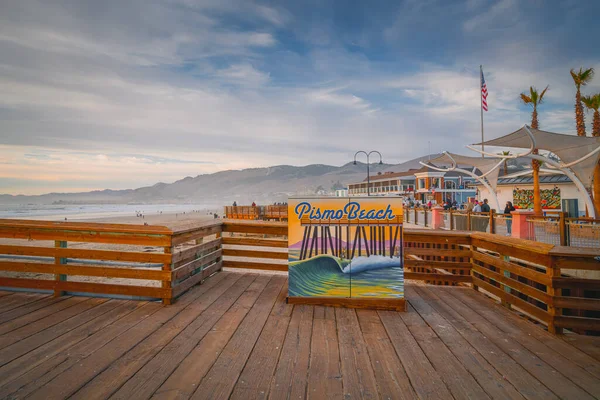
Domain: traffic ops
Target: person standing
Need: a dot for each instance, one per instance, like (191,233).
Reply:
(508,217)
(485,207)
(477,207)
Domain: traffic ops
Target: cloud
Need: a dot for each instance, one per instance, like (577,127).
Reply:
(243,74)
(175,87)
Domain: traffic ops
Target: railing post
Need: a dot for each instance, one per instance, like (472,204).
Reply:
(416,216)
(451,220)
(468,220)
(562,228)
(519,224)
(218,235)
(168,284)
(492,222)
(59,261)
(425,217)
(553,272)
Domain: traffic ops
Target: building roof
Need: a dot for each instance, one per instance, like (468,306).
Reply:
(390,175)
(523,180)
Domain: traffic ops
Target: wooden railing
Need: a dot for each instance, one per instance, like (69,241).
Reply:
(86,258)
(554,285)
(552,228)
(557,286)
(273,212)
(107,259)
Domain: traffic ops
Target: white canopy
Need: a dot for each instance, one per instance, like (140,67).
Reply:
(570,148)
(487,166)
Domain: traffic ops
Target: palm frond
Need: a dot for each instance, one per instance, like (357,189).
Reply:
(586,76)
(542,94)
(525,99)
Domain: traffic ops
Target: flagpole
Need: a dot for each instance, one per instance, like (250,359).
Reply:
(481,106)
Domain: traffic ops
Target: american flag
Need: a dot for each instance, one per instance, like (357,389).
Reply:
(484,93)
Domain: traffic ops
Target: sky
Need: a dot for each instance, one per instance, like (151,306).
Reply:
(121,94)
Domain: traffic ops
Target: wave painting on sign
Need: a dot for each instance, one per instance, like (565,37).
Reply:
(345,247)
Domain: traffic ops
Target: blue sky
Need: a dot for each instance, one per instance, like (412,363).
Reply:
(121,94)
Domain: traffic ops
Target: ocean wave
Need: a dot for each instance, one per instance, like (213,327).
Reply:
(361,264)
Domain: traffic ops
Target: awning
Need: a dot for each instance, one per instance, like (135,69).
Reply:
(568,147)
(484,165)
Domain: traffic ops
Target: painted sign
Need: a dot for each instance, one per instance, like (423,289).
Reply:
(523,198)
(345,247)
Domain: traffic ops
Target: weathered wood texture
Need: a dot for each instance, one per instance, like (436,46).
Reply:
(236,337)
(170,258)
(537,280)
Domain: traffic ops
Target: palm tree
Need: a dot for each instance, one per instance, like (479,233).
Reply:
(534,99)
(505,153)
(593,103)
(581,78)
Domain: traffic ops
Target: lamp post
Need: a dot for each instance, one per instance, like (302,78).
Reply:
(368,165)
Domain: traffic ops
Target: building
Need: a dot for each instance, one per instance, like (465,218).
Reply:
(558,193)
(341,192)
(421,185)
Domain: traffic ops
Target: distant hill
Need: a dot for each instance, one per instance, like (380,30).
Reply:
(262,185)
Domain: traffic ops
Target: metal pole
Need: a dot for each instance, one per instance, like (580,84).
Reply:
(368,178)
(481,105)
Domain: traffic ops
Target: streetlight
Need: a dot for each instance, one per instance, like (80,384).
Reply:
(368,163)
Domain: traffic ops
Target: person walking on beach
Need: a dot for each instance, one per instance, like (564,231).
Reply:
(253,204)
(235,203)
(508,217)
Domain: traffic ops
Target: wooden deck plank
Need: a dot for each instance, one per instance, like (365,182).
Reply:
(20,299)
(34,369)
(424,378)
(141,371)
(456,377)
(558,383)
(47,307)
(495,385)
(38,333)
(324,374)
(391,378)
(513,323)
(588,345)
(513,372)
(185,379)
(23,331)
(522,335)
(291,374)
(28,309)
(358,378)
(235,336)
(69,381)
(255,379)
(222,377)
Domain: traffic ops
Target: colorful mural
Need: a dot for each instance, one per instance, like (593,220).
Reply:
(523,198)
(345,247)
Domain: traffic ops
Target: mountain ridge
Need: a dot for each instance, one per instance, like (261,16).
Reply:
(263,185)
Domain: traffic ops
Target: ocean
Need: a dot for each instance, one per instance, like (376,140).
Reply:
(92,211)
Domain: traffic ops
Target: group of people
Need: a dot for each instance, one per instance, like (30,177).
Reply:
(475,206)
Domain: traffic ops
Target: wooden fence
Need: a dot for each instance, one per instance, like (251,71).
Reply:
(557,286)
(106,259)
(265,213)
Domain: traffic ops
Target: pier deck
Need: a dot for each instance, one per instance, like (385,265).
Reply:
(235,337)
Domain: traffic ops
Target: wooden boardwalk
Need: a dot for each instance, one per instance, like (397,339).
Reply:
(235,337)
